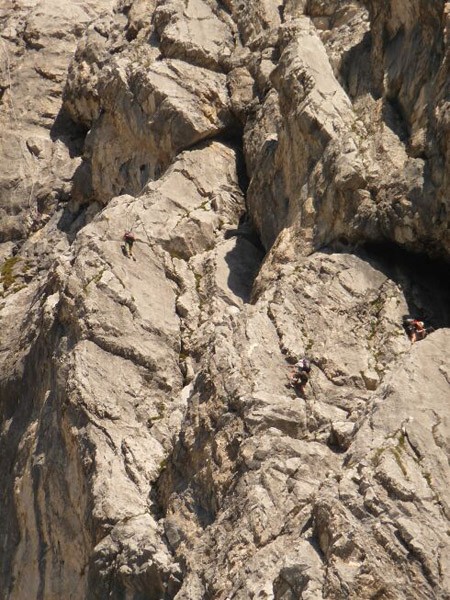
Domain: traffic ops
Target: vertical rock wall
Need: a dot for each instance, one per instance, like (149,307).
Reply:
(284,169)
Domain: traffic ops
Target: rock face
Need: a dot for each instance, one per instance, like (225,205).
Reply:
(284,168)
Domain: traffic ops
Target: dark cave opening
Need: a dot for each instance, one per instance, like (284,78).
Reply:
(424,281)
(71,134)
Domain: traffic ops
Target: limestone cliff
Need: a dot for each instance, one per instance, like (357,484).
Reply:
(284,167)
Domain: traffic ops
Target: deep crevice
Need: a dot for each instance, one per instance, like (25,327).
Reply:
(394,118)
(245,259)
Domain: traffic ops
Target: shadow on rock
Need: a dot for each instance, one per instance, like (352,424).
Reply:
(71,134)
(243,262)
(425,282)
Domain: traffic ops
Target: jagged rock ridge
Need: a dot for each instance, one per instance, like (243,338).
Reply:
(284,168)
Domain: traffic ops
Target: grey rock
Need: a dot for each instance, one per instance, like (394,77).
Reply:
(282,166)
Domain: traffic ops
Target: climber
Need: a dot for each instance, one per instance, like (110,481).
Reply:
(129,240)
(300,375)
(415,329)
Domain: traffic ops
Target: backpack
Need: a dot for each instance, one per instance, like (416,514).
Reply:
(304,365)
(409,325)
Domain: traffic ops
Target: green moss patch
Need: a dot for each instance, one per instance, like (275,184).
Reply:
(7,276)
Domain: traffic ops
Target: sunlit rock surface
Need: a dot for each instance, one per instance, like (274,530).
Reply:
(284,168)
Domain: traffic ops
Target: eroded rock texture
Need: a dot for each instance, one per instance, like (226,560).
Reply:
(284,166)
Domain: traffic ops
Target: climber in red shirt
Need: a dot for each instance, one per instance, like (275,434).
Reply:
(416,330)
(129,240)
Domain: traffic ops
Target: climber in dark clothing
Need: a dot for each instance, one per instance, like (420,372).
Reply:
(129,240)
(415,329)
(300,375)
